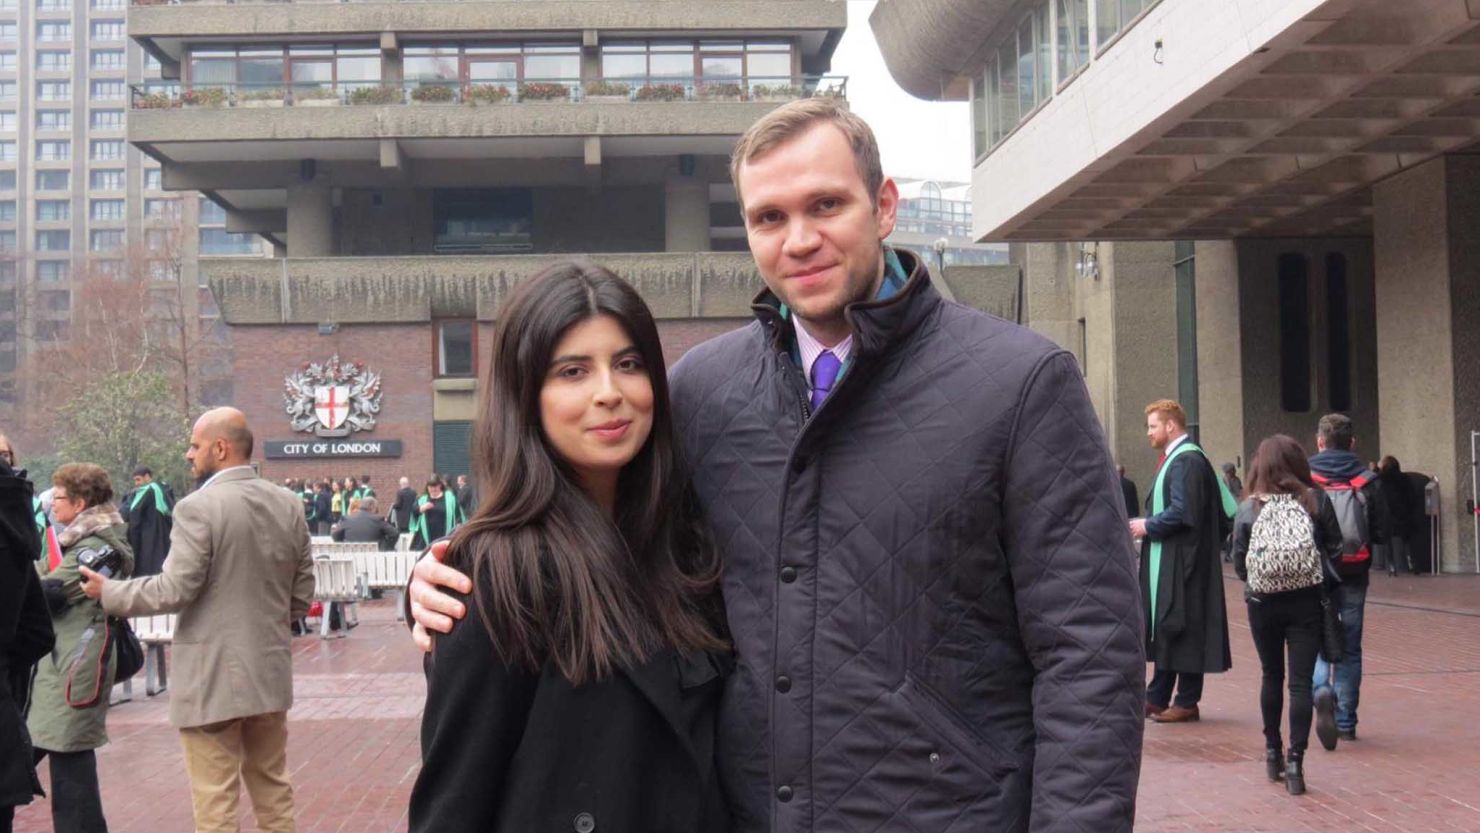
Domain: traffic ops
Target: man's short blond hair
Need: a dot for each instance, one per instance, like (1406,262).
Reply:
(797,117)
(1170,411)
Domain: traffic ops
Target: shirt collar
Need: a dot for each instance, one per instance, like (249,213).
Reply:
(1174,443)
(807,348)
(212,478)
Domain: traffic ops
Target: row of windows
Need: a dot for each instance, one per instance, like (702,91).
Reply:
(98,240)
(100,209)
(1293,275)
(56,31)
(66,5)
(60,150)
(1049,46)
(61,61)
(62,120)
(103,180)
(99,90)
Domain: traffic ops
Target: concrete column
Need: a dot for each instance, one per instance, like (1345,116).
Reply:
(686,212)
(1048,292)
(1143,359)
(1428,318)
(310,219)
(1220,365)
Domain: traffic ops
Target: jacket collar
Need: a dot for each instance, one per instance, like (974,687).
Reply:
(878,324)
(656,680)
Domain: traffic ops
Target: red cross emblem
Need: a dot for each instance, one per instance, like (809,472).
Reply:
(331,405)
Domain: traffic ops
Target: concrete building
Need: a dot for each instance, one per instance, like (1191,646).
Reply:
(410,161)
(74,196)
(1319,152)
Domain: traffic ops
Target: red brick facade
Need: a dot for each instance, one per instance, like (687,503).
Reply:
(403,355)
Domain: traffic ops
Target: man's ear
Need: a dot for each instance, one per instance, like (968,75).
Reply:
(887,207)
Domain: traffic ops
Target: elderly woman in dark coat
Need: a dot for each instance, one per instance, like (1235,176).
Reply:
(69,698)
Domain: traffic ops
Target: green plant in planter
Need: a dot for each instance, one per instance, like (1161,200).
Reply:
(433,94)
(608,88)
(155,101)
(210,97)
(776,91)
(660,92)
(543,91)
(488,94)
(375,95)
(314,94)
(261,95)
(720,91)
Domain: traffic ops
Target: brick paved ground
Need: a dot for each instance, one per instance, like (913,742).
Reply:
(353,744)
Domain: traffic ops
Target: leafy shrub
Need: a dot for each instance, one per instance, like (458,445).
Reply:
(608,88)
(660,92)
(541,91)
(433,94)
(375,95)
(720,90)
(210,97)
(488,93)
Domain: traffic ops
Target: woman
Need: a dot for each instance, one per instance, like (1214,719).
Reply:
(69,698)
(1288,562)
(437,514)
(584,692)
(1398,493)
(336,501)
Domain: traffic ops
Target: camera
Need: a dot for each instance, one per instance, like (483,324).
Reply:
(104,561)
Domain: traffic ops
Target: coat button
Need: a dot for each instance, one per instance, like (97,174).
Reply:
(788,575)
(783,793)
(585,823)
(783,684)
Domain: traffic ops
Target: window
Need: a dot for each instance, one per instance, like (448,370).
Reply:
(151,63)
(53,5)
(53,271)
(7,211)
(53,240)
(218,241)
(53,61)
(107,59)
(7,30)
(53,180)
(1073,37)
(105,240)
(106,90)
(53,119)
(53,90)
(7,240)
(107,149)
(504,64)
(51,211)
(106,180)
(455,348)
(296,66)
(7,151)
(108,268)
(7,91)
(210,214)
(107,209)
(153,179)
(106,120)
(7,180)
(1116,15)
(7,121)
(53,30)
(161,209)
(109,5)
(51,330)
(53,150)
(56,300)
(754,62)
(107,30)
(452,447)
(1338,334)
(470,220)
(158,240)
(1294,298)
(7,60)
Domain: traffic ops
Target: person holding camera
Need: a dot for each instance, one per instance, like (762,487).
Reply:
(69,698)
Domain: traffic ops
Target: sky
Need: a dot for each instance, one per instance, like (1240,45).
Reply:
(917,139)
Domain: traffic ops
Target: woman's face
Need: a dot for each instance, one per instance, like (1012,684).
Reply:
(64,507)
(596,405)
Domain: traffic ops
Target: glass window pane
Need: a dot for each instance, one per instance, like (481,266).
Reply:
(359,68)
(1043,41)
(307,73)
(1007,84)
(623,65)
(1027,85)
(768,66)
(431,68)
(1109,20)
(672,64)
(494,71)
(264,72)
(979,116)
(720,66)
(456,351)
(212,71)
(1081,28)
(554,67)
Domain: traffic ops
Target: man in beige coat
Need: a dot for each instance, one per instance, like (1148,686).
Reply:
(238,572)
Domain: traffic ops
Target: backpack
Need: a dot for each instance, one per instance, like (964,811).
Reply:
(1350,503)
(1282,552)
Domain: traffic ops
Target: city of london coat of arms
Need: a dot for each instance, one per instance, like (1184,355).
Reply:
(332,398)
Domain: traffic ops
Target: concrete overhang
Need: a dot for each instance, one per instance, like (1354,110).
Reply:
(1239,125)
(378,290)
(933,47)
(163,30)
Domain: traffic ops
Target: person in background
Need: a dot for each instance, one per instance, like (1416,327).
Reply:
(1230,479)
(437,514)
(1286,544)
(365,525)
(147,511)
(69,697)
(465,495)
(404,508)
(364,490)
(1405,515)
(336,501)
(26,634)
(1128,492)
(323,507)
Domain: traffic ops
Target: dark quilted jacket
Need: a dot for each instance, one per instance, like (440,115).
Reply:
(929,581)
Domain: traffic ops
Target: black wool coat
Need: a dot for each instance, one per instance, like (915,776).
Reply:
(1191,633)
(25,636)
(509,750)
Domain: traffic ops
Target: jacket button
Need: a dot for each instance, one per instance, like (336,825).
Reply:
(585,823)
(783,684)
(783,793)
(788,575)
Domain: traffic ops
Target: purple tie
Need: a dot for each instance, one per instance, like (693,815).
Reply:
(824,373)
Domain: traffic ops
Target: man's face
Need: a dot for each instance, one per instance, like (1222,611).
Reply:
(813,229)
(203,454)
(1160,430)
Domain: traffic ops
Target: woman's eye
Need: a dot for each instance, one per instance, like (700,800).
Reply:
(570,372)
(630,364)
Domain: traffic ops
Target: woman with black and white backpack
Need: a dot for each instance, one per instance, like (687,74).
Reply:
(1286,541)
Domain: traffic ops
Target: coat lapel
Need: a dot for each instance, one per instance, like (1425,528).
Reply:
(663,680)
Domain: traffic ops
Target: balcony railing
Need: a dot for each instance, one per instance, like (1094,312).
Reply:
(475,93)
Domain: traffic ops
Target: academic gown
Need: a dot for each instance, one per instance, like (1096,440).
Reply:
(148,510)
(1190,633)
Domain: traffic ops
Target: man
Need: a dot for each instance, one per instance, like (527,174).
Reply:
(437,514)
(26,634)
(927,582)
(1128,494)
(147,510)
(464,493)
(405,506)
(238,572)
(366,526)
(363,490)
(1363,513)
(1188,512)
(323,506)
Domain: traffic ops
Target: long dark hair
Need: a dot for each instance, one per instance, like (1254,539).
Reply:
(1280,467)
(558,579)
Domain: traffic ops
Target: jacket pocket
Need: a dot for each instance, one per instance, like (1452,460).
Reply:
(953,729)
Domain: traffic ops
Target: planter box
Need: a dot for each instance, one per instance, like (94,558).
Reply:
(316,102)
(605,99)
(260,102)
